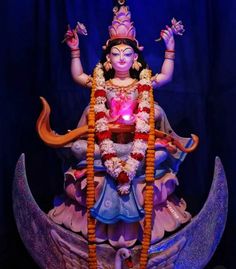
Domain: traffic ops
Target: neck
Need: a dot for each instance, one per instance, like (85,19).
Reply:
(122,75)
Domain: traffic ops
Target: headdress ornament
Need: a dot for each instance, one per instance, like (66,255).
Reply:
(122,27)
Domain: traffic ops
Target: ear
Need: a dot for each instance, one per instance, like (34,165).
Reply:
(108,57)
(136,56)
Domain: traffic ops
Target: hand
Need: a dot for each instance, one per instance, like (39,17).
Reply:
(71,38)
(168,37)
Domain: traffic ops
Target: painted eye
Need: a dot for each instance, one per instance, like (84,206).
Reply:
(115,54)
(128,54)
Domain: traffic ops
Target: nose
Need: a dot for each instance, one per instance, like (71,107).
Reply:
(121,57)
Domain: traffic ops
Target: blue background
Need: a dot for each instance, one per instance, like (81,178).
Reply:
(200,99)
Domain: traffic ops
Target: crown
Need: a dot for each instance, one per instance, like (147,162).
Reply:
(122,27)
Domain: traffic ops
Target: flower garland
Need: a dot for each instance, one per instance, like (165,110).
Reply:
(149,191)
(90,197)
(122,171)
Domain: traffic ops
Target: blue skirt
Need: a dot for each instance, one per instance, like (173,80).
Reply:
(112,207)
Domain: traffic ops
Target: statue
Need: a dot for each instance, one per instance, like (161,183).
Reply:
(120,189)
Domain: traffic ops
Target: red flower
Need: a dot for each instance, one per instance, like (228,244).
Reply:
(142,88)
(122,178)
(100,93)
(108,156)
(142,136)
(100,115)
(103,135)
(137,156)
(145,109)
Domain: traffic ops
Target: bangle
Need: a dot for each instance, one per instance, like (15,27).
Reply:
(75,53)
(170,54)
(154,78)
(89,79)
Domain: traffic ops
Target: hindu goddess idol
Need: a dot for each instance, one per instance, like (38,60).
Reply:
(121,188)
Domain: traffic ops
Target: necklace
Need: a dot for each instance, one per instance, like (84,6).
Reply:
(122,89)
(119,86)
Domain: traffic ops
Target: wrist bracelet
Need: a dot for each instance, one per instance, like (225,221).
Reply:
(154,78)
(75,53)
(170,54)
(89,79)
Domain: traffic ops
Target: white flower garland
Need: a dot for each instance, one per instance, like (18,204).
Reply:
(123,171)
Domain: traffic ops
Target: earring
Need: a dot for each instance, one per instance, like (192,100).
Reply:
(136,65)
(107,65)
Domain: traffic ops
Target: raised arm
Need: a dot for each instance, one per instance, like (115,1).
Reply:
(77,72)
(168,65)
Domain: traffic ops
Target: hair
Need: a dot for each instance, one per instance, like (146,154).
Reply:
(133,72)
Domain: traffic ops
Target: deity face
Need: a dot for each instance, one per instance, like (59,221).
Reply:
(122,57)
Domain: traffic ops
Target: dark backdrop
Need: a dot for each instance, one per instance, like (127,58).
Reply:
(200,99)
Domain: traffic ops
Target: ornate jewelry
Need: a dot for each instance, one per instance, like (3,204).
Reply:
(136,65)
(122,27)
(121,2)
(155,78)
(89,80)
(75,53)
(122,89)
(107,65)
(170,54)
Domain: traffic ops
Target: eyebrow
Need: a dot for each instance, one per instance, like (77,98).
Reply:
(122,50)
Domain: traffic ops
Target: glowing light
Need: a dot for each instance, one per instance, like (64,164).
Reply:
(126,117)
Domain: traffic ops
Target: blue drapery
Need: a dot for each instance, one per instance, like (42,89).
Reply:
(200,99)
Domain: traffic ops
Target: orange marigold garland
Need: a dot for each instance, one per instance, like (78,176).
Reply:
(146,93)
(148,202)
(90,198)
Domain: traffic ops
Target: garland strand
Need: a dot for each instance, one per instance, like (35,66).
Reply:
(90,197)
(122,171)
(148,202)
(98,82)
